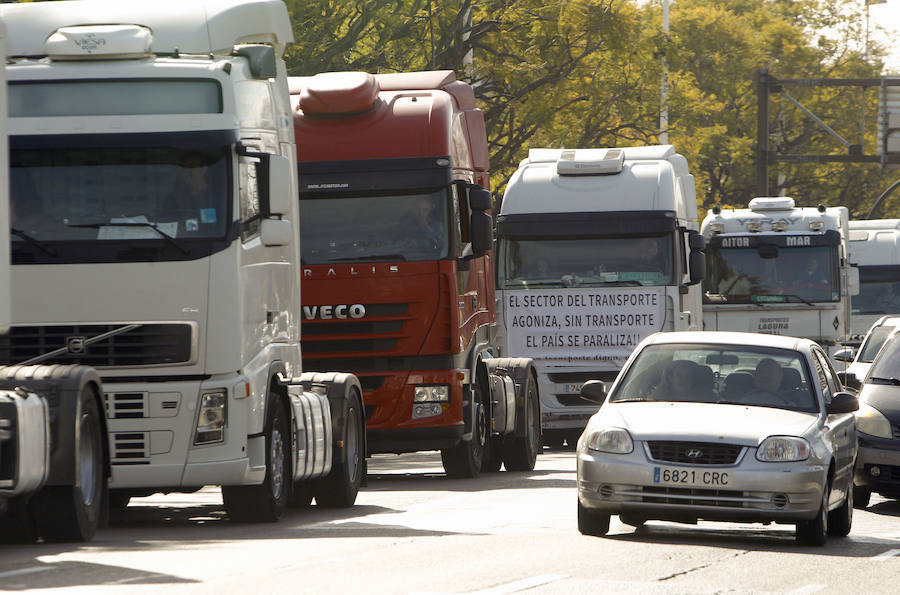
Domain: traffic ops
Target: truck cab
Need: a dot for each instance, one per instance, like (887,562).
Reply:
(597,249)
(781,269)
(875,252)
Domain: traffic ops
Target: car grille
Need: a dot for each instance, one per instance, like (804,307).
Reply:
(694,453)
(895,430)
(692,497)
(143,345)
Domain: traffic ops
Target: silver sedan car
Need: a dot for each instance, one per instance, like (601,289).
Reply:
(721,427)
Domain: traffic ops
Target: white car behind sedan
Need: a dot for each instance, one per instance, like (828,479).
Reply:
(721,427)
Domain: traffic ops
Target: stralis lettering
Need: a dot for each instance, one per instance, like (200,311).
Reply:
(340,312)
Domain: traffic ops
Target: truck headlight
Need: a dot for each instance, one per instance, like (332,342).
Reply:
(872,422)
(439,393)
(212,416)
(782,449)
(611,440)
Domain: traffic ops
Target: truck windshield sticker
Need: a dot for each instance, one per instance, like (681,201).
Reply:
(573,325)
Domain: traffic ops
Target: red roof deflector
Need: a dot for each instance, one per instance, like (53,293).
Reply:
(338,93)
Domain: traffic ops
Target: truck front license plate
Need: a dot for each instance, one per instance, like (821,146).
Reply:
(691,477)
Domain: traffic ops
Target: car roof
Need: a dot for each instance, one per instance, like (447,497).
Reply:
(731,338)
(886,321)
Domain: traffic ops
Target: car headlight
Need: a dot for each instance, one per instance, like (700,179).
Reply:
(782,449)
(612,440)
(872,422)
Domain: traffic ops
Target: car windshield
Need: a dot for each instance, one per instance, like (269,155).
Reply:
(586,262)
(770,274)
(734,374)
(402,227)
(886,364)
(873,342)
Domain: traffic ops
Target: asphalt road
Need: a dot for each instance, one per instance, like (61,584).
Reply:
(413,531)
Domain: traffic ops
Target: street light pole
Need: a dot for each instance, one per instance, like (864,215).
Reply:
(664,82)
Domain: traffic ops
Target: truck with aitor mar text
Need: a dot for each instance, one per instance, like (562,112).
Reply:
(397,266)
(597,249)
(781,269)
(156,239)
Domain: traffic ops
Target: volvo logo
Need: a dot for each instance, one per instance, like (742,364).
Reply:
(75,345)
(340,312)
(694,453)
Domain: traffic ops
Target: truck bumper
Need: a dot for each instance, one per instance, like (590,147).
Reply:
(413,439)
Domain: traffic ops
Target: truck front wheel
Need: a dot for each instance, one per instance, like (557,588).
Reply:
(465,459)
(72,513)
(265,503)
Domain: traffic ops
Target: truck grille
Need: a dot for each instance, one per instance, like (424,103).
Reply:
(694,453)
(356,336)
(125,405)
(143,345)
(130,448)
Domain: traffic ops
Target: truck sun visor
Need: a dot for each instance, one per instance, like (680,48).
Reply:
(331,93)
(607,223)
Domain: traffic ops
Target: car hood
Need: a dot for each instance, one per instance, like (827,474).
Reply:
(703,422)
(883,397)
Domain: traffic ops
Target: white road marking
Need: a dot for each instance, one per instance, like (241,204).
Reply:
(527,583)
(885,555)
(21,571)
(807,590)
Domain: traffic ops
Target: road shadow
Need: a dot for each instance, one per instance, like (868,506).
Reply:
(53,575)
(777,538)
(886,507)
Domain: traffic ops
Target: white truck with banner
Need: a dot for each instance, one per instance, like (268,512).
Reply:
(597,249)
(780,269)
(875,252)
(156,239)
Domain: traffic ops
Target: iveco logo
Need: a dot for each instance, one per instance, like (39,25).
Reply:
(75,345)
(695,453)
(341,312)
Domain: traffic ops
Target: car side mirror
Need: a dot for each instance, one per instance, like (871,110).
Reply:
(594,391)
(844,354)
(849,380)
(842,402)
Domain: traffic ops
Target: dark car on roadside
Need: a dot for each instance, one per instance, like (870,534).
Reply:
(878,426)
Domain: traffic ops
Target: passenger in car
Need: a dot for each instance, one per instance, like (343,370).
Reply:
(679,382)
(767,382)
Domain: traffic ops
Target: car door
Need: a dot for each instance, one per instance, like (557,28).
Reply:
(841,427)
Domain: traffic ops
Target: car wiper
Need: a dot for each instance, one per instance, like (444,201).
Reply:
(399,257)
(152,226)
(21,234)
(894,381)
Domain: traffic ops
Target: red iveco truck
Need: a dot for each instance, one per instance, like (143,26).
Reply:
(397,272)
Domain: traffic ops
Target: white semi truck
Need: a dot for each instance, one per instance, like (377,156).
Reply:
(780,269)
(54,465)
(597,248)
(156,239)
(875,252)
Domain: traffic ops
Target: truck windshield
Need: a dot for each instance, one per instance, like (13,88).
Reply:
(769,274)
(876,297)
(117,193)
(586,262)
(396,227)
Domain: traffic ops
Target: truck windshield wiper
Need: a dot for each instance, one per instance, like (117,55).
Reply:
(21,234)
(399,257)
(894,381)
(152,226)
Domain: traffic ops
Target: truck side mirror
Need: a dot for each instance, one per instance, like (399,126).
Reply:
(281,198)
(276,232)
(853,281)
(697,267)
(481,233)
(696,241)
(480,199)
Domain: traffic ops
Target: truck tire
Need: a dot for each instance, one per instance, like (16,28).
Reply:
(520,452)
(339,488)
(72,513)
(492,459)
(17,526)
(464,460)
(265,503)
